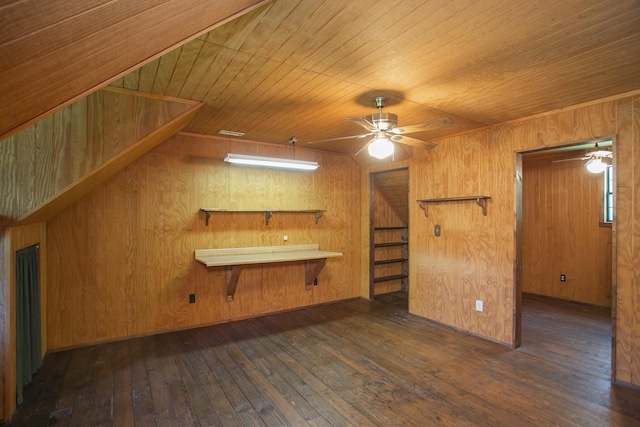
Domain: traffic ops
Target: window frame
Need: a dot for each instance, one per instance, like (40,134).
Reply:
(607,213)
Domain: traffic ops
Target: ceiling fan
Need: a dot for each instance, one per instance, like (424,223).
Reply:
(596,161)
(383,129)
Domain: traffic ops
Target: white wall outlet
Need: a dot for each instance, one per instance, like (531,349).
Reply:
(285,238)
(478,305)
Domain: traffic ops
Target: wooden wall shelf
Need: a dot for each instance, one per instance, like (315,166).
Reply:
(480,200)
(267,212)
(234,259)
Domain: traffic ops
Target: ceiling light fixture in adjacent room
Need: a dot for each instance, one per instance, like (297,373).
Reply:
(596,165)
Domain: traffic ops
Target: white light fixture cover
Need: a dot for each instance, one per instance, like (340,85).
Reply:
(380,148)
(595,165)
(271,162)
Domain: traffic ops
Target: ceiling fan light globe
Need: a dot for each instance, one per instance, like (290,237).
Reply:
(595,165)
(380,148)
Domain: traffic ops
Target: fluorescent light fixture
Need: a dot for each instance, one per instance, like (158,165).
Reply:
(230,133)
(380,148)
(271,162)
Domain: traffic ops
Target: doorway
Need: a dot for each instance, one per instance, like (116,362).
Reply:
(389,236)
(563,237)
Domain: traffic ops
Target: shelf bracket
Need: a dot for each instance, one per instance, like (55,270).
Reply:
(206,218)
(267,217)
(318,215)
(482,202)
(424,206)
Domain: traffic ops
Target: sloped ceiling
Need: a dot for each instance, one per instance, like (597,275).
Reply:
(54,52)
(394,187)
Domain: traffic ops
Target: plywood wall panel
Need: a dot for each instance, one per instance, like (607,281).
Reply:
(50,155)
(39,166)
(635,288)
(562,232)
(474,257)
(626,244)
(147,269)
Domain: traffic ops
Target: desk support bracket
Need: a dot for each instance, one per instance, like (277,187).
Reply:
(233,274)
(311,270)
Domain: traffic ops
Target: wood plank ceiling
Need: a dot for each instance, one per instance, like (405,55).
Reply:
(299,67)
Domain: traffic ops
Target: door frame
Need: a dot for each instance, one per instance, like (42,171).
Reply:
(372,206)
(517,323)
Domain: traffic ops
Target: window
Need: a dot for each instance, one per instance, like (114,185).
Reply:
(608,194)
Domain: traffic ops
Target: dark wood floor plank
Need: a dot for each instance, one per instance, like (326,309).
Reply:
(276,374)
(122,400)
(436,393)
(142,400)
(299,378)
(405,399)
(239,408)
(333,407)
(355,362)
(273,409)
(304,349)
(191,367)
(164,407)
(216,380)
(524,387)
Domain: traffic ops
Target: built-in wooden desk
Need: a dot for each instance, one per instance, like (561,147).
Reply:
(234,259)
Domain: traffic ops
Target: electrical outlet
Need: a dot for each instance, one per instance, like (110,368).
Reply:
(192,298)
(285,238)
(478,305)
(563,278)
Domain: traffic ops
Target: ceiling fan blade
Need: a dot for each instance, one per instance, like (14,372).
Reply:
(412,141)
(363,147)
(339,138)
(601,153)
(363,122)
(428,125)
(570,160)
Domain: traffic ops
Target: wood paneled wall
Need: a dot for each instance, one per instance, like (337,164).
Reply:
(561,217)
(475,256)
(121,260)
(45,159)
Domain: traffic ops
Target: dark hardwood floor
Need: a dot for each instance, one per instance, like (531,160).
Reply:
(348,363)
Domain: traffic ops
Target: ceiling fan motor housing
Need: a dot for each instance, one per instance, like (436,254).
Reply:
(383,121)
